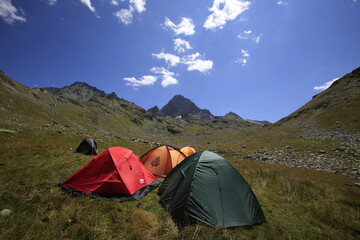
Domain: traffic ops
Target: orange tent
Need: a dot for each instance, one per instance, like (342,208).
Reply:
(188,151)
(160,160)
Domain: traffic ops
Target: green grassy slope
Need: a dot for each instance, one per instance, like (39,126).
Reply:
(336,107)
(34,108)
(21,106)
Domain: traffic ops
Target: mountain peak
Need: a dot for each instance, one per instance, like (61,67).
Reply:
(179,97)
(80,84)
(80,91)
(232,116)
(184,107)
(154,110)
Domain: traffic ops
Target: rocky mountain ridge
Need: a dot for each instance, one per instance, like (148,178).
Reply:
(177,107)
(182,107)
(84,109)
(80,91)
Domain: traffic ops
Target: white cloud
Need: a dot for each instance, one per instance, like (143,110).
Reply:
(51,2)
(201,65)
(191,57)
(167,76)
(244,35)
(325,85)
(138,5)
(168,80)
(247,34)
(257,38)
(243,60)
(8,12)
(281,3)
(181,45)
(245,53)
(114,2)
(171,59)
(185,27)
(125,16)
(143,81)
(88,4)
(197,64)
(223,11)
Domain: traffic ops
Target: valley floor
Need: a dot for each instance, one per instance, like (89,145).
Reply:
(298,203)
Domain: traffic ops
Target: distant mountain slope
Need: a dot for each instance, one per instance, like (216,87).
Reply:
(181,107)
(337,107)
(81,108)
(80,91)
(78,107)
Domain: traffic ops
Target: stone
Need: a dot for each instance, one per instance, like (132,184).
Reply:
(5,212)
(7,131)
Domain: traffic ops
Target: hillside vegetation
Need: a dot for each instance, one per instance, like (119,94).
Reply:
(38,128)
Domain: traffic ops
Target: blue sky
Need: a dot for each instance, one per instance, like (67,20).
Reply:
(259,59)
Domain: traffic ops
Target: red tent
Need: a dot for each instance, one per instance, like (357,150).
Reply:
(116,173)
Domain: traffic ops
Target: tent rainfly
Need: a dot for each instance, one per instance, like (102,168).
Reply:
(207,189)
(115,174)
(160,160)
(187,151)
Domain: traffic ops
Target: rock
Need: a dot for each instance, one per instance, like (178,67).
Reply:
(7,131)
(343,162)
(341,149)
(310,132)
(173,130)
(5,212)
(155,110)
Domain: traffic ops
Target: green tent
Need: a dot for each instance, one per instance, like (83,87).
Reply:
(205,188)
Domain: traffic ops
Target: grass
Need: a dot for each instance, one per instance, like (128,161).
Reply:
(298,203)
